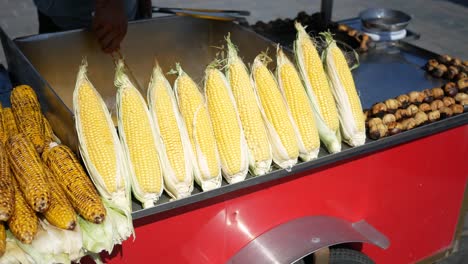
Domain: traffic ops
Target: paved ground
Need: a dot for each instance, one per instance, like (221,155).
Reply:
(442,24)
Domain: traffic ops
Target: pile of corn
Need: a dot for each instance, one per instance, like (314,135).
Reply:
(239,121)
(40,179)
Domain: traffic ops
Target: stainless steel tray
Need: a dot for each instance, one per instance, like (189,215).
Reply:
(50,62)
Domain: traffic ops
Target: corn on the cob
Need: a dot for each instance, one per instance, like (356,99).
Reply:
(7,192)
(276,115)
(176,157)
(28,116)
(301,110)
(318,89)
(74,182)
(194,111)
(24,222)
(140,140)
(60,212)
(100,147)
(2,239)
(260,156)
(347,99)
(49,135)
(227,128)
(9,124)
(28,171)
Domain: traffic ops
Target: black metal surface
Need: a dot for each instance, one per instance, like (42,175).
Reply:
(385,72)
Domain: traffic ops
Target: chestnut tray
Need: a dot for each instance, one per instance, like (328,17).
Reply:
(50,62)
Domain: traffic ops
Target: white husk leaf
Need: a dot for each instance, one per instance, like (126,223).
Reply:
(244,166)
(304,153)
(175,188)
(331,139)
(122,196)
(97,237)
(260,167)
(201,172)
(349,128)
(280,154)
(122,83)
(13,253)
(54,245)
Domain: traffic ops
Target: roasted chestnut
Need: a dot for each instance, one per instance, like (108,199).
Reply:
(408,123)
(425,107)
(461,75)
(462,85)
(445,59)
(450,89)
(388,118)
(439,71)
(457,109)
(435,105)
(456,62)
(433,115)
(378,131)
(392,105)
(445,112)
(428,97)
(437,93)
(403,100)
(460,97)
(400,114)
(379,109)
(448,101)
(451,72)
(374,122)
(416,97)
(431,64)
(394,128)
(412,110)
(420,118)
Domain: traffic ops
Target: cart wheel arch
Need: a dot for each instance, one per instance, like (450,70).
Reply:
(295,239)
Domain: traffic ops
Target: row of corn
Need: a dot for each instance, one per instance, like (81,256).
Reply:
(45,192)
(239,121)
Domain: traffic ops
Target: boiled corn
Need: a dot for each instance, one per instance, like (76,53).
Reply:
(260,155)
(345,93)
(75,183)
(178,172)
(318,89)
(194,111)
(7,192)
(276,115)
(28,116)
(227,126)
(301,110)
(100,147)
(139,139)
(28,171)
(60,212)
(24,222)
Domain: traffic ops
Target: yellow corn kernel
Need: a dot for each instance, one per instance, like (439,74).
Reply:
(140,141)
(96,135)
(226,124)
(7,192)
(249,113)
(315,74)
(199,127)
(28,116)
(75,183)
(27,168)
(163,105)
(346,78)
(299,105)
(9,123)
(60,212)
(275,109)
(24,222)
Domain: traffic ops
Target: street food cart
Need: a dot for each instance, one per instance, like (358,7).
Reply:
(398,199)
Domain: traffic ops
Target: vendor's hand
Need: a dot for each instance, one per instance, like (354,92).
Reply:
(110,24)
(145,8)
